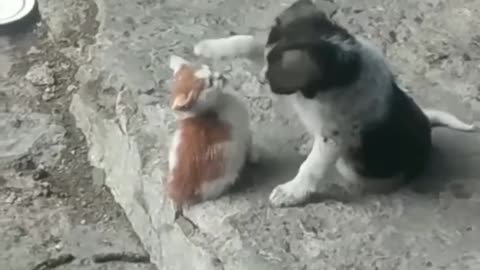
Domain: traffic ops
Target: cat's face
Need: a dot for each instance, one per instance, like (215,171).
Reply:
(195,87)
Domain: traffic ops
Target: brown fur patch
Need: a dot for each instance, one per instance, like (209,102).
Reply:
(186,88)
(200,157)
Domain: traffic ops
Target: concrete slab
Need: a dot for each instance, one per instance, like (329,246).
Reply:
(53,204)
(122,109)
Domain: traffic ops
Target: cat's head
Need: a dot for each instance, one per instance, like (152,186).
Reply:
(195,87)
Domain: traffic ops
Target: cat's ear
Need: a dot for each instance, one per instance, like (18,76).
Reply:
(291,71)
(176,62)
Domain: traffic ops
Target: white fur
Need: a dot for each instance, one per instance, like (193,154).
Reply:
(440,118)
(233,46)
(329,112)
(204,72)
(176,62)
(233,111)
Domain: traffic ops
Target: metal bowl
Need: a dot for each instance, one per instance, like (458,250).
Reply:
(14,10)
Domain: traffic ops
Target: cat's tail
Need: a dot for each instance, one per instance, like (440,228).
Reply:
(179,203)
(229,47)
(440,118)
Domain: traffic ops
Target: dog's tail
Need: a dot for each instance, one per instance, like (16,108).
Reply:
(440,118)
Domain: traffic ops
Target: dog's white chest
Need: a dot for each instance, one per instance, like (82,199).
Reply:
(329,118)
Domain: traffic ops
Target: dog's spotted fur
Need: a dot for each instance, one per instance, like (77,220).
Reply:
(212,140)
(345,94)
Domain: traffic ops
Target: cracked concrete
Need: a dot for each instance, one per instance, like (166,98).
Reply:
(52,202)
(121,107)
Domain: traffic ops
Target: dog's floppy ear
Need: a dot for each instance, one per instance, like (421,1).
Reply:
(291,70)
(176,62)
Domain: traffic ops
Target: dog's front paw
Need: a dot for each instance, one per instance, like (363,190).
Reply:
(206,48)
(291,193)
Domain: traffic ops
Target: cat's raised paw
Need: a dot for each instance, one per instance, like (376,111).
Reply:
(290,194)
(205,48)
(233,46)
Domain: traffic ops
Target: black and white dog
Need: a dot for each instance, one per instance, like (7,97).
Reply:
(346,96)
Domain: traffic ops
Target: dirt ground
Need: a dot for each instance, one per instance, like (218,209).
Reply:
(53,204)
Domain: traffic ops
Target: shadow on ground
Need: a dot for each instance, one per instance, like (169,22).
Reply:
(454,165)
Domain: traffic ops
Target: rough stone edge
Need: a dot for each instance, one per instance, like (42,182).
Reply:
(101,134)
(168,245)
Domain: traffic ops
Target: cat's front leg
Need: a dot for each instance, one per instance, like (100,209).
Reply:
(233,46)
(312,172)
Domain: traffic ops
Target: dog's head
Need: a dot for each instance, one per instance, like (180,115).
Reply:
(195,87)
(306,51)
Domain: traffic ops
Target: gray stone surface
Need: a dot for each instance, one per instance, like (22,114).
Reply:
(122,109)
(52,202)
(23,134)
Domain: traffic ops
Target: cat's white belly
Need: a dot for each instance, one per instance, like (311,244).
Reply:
(235,150)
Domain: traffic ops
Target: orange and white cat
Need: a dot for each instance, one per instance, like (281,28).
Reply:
(213,138)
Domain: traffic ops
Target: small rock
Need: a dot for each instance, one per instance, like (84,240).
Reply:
(45,184)
(393,36)
(46,192)
(83,203)
(40,75)
(11,198)
(25,163)
(17,123)
(418,19)
(217,262)
(33,50)
(48,95)
(40,174)
(83,221)
(264,103)
(37,193)
(45,189)
(71,88)
(59,246)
